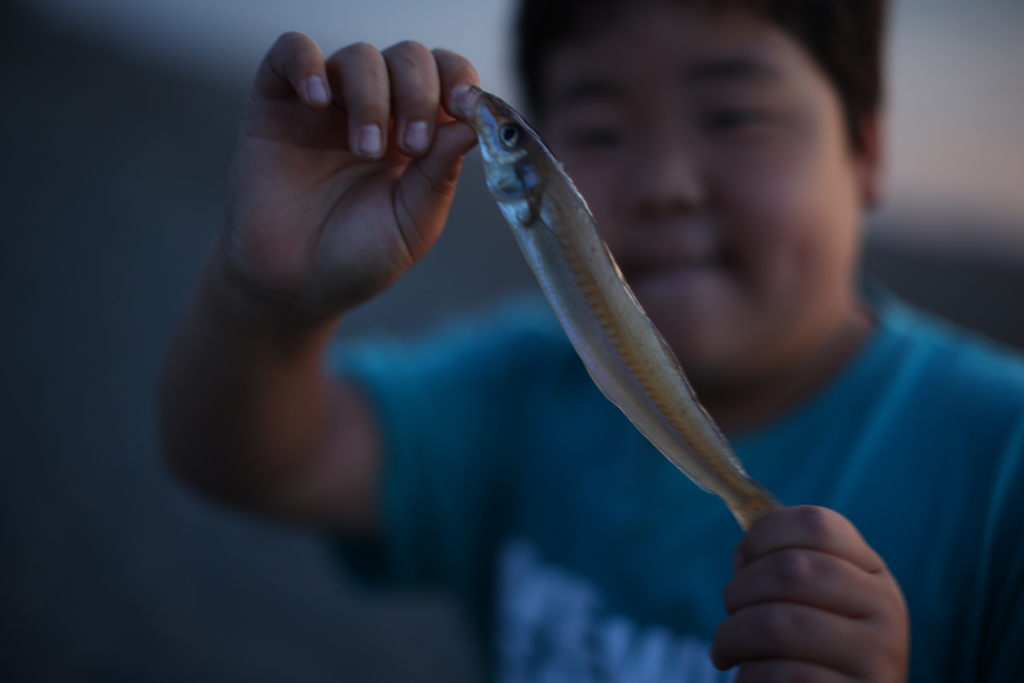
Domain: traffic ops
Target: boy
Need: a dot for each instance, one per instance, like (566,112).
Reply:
(727,151)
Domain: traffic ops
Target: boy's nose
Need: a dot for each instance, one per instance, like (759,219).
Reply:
(666,181)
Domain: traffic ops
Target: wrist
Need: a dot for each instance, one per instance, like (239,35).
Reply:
(231,299)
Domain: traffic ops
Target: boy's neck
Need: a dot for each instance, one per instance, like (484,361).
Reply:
(748,405)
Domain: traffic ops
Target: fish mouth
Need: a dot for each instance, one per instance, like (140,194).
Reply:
(465,100)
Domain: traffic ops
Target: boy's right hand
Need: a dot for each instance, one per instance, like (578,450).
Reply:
(344,171)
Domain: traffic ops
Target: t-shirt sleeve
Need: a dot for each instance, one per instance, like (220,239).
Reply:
(447,407)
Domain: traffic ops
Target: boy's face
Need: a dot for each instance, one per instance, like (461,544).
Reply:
(713,153)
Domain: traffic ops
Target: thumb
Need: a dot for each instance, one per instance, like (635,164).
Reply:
(427,186)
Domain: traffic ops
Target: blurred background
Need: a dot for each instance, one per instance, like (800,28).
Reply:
(117,120)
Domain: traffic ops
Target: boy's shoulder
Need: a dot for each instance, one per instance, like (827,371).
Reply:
(954,369)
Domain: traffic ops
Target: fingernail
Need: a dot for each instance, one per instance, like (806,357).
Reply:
(316,90)
(369,140)
(461,99)
(417,136)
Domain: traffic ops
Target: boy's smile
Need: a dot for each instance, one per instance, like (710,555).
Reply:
(714,155)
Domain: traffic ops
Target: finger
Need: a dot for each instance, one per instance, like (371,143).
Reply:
(811,527)
(428,184)
(415,93)
(359,78)
(294,67)
(788,631)
(440,166)
(788,671)
(456,75)
(807,577)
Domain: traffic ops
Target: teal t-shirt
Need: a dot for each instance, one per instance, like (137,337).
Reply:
(586,556)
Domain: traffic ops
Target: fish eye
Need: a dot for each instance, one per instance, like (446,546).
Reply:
(509,135)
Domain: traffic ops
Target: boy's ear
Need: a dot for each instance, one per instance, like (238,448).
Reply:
(868,158)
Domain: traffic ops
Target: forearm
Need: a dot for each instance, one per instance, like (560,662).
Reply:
(246,400)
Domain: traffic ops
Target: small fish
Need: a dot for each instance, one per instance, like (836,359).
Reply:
(624,353)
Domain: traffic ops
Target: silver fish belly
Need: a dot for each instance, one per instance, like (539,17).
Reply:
(624,353)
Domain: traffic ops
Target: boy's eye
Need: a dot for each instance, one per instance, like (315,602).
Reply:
(733,120)
(598,138)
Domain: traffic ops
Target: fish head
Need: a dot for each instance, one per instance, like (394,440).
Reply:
(517,163)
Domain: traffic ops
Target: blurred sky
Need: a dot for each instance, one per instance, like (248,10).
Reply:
(956,171)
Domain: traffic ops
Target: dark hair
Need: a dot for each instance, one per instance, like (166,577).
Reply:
(844,37)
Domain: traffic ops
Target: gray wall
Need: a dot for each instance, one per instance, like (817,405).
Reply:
(111,189)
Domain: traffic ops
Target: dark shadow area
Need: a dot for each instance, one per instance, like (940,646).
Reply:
(111,189)
(984,294)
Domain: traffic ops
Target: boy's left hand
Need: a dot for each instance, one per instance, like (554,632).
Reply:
(811,601)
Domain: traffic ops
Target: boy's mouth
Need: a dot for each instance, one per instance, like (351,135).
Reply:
(675,247)
(638,270)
